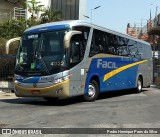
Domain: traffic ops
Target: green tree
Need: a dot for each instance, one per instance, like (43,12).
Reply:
(12,28)
(50,16)
(34,7)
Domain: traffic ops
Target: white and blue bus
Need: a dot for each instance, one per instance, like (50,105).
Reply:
(71,58)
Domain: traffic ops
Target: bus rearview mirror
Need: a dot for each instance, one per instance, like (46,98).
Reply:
(68,37)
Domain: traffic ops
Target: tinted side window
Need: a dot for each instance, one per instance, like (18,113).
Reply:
(135,49)
(122,49)
(103,42)
(107,43)
(82,39)
(113,44)
(97,43)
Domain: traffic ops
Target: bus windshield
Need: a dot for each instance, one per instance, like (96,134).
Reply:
(41,54)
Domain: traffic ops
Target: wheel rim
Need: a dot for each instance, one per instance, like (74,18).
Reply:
(139,85)
(91,90)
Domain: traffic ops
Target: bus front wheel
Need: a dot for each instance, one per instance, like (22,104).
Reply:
(93,91)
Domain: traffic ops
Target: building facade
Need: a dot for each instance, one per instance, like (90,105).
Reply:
(71,9)
(150,33)
(6,7)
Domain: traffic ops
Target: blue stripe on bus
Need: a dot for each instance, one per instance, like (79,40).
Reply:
(48,28)
(29,80)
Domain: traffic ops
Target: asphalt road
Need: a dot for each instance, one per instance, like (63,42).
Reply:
(122,109)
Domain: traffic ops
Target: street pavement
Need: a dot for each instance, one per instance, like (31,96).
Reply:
(122,109)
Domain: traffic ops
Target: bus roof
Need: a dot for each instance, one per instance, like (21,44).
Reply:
(70,23)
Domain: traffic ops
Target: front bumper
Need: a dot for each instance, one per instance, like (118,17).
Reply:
(57,90)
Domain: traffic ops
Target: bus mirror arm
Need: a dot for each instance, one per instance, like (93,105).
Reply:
(9,42)
(68,37)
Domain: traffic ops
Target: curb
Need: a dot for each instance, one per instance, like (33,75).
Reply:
(155,86)
(2,92)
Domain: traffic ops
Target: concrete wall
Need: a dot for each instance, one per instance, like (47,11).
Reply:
(6,7)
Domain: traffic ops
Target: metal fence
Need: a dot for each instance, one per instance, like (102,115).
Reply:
(156,67)
(18,13)
(15,13)
(7,65)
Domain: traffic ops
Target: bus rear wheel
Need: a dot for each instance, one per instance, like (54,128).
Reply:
(139,85)
(93,91)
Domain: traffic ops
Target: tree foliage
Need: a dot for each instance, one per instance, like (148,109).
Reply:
(50,16)
(34,7)
(12,28)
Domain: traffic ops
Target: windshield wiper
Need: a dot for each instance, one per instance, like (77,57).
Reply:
(19,66)
(39,56)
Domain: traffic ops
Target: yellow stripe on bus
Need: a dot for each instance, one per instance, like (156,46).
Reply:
(114,72)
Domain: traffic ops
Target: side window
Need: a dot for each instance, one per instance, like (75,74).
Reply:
(113,44)
(106,43)
(97,43)
(82,39)
(75,49)
(78,45)
(135,49)
(122,49)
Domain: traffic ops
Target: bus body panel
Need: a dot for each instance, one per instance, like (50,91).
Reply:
(40,86)
(125,79)
(77,80)
(57,90)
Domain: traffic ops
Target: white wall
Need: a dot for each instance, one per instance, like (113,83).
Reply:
(46,3)
(82,9)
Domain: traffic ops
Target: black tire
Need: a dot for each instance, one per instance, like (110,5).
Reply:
(12,91)
(50,99)
(139,85)
(93,91)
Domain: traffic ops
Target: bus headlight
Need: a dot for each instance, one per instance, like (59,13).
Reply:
(60,80)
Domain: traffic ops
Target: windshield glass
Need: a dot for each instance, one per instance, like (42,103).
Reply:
(41,54)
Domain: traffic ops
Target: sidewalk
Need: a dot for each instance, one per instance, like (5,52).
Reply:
(4,95)
(155,86)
